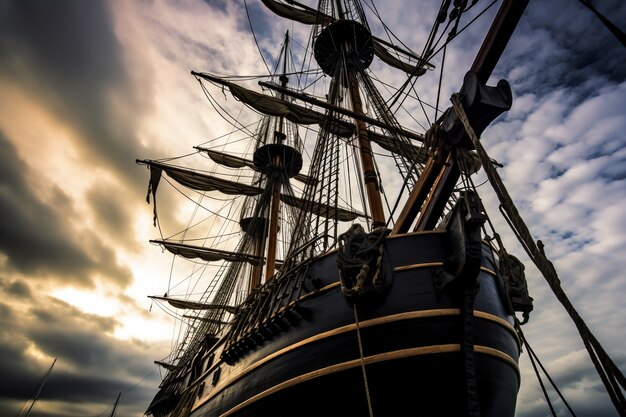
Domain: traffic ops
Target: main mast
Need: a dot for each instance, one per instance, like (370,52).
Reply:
(343,49)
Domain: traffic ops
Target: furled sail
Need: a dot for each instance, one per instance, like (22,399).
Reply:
(416,153)
(166,365)
(381,52)
(233,161)
(198,181)
(194,305)
(202,182)
(310,16)
(194,180)
(207,254)
(302,14)
(320,209)
(206,320)
(273,106)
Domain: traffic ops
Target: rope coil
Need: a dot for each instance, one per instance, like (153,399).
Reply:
(360,260)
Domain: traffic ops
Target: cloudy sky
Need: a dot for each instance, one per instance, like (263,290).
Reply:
(88,86)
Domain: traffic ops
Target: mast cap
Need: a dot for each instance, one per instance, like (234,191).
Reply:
(344,36)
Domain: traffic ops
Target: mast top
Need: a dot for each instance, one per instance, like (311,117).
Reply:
(344,37)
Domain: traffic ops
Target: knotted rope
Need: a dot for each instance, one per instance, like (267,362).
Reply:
(611,376)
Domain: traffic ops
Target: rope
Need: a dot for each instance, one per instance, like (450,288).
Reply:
(367,387)
(245,3)
(610,375)
(471,383)
(543,387)
(359,259)
(533,357)
(617,32)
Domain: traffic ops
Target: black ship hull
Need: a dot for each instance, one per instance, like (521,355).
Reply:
(403,356)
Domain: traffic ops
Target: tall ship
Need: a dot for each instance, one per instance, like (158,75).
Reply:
(339,260)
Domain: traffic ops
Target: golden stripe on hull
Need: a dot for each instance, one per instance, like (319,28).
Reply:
(396,269)
(435,264)
(352,327)
(381,357)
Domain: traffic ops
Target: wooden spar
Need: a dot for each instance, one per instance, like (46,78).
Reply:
(498,37)
(316,102)
(370,176)
(418,195)
(205,320)
(338,109)
(43,381)
(276,184)
(444,183)
(273,226)
(257,270)
(429,197)
(115,405)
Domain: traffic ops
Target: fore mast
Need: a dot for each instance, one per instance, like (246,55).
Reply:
(278,159)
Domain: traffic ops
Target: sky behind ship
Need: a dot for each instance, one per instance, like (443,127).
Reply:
(87,89)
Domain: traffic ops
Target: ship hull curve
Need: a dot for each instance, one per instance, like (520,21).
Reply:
(401,357)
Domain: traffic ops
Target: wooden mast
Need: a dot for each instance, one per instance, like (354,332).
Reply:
(39,388)
(257,270)
(117,401)
(370,175)
(270,229)
(276,182)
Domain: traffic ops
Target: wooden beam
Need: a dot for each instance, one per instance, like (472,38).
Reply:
(341,110)
(429,203)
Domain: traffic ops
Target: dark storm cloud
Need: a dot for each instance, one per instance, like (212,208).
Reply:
(17,288)
(37,239)
(83,343)
(31,234)
(66,54)
(92,366)
(562,44)
(19,374)
(111,213)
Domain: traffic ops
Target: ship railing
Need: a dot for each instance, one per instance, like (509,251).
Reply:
(269,310)
(307,245)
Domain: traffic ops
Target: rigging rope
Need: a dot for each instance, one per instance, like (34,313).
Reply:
(533,357)
(430,53)
(611,376)
(365,382)
(122,394)
(443,62)
(245,3)
(541,384)
(617,32)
